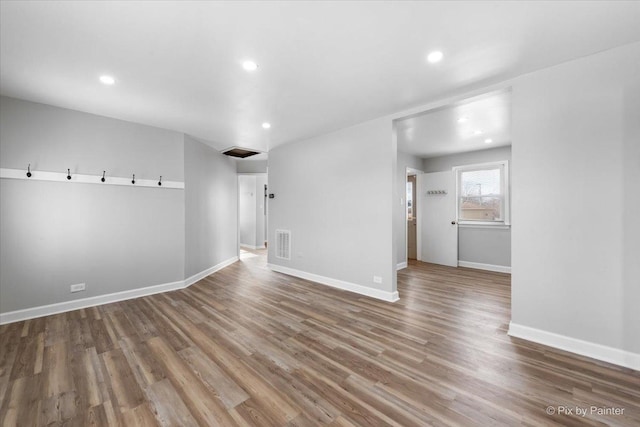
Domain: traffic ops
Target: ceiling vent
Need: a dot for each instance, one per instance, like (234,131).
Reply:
(242,153)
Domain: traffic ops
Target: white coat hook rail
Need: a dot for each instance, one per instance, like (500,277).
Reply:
(434,192)
(38,175)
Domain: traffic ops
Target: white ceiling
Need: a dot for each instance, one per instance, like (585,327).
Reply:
(322,65)
(465,126)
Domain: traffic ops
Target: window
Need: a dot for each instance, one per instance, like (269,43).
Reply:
(483,194)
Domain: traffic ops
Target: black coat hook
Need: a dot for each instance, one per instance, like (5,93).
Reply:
(103,179)
(69,174)
(29,171)
(160,181)
(133,180)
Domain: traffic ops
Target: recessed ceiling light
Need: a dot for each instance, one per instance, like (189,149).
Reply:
(107,80)
(478,132)
(435,56)
(462,119)
(249,65)
(488,141)
(266,125)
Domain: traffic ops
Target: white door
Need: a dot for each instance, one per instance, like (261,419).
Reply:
(439,230)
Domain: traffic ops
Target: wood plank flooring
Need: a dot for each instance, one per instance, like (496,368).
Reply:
(247,346)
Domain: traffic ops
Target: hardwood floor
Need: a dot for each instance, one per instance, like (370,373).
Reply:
(247,346)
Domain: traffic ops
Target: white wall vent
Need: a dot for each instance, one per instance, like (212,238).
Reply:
(283,244)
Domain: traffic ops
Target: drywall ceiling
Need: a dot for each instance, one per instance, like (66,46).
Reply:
(474,124)
(322,65)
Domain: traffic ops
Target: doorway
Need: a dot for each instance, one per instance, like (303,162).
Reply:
(252,214)
(412,237)
(458,209)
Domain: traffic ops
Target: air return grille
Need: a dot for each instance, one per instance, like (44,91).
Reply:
(283,244)
(239,152)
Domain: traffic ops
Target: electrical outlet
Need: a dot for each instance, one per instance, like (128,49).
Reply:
(79,287)
(377,279)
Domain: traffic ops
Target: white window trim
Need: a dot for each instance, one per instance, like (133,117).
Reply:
(479,224)
(505,197)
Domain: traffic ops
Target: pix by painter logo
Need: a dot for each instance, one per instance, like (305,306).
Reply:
(583,411)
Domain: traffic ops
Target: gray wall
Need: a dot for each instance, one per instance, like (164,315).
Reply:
(480,245)
(211,207)
(335,193)
(630,213)
(54,139)
(251,166)
(575,240)
(400,213)
(484,245)
(446,163)
(56,234)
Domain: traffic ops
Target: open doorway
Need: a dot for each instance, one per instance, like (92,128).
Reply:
(411,218)
(461,201)
(411,214)
(252,215)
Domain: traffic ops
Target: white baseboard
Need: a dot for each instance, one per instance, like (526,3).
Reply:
(242,245)
(401,265)
(61,307)
(577,346)
(488,267)
(340,284)
(198,276)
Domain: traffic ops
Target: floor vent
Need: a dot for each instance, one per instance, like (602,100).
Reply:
(283,244)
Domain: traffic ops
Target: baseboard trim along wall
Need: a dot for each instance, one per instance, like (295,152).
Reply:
(340,284)
(573,345)
(401,265)
(242,245)
(488,267)
(62,307)
(209,271)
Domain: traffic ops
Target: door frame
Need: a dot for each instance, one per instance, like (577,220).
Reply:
(265,244)
(412,171)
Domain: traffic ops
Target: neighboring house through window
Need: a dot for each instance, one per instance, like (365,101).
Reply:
(483,194)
